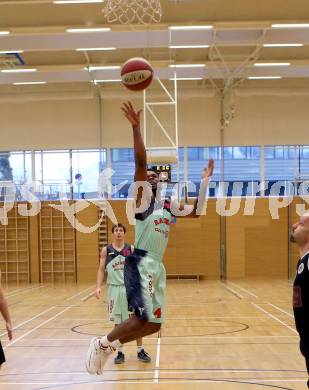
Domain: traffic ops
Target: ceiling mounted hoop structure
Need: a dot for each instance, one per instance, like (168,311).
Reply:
(133,11)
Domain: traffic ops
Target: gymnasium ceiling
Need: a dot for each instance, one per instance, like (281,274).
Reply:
(240,30)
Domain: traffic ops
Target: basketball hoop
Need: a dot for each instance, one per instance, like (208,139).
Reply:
(133,11)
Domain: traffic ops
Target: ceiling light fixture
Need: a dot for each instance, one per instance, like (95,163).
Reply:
(90,68)
(290,25)
(264,77)
(187,66)
(11,51)
(88,30)
(18,70)
(186,78)
(188,46)
(191,27)
(95,48)
(283,44)
(31,83)
(76,1)
(108,81)
(265,64)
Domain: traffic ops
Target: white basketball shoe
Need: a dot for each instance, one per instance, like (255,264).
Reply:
(97,356)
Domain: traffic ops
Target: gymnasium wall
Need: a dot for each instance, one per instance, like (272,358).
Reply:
(72,121)
(256,245)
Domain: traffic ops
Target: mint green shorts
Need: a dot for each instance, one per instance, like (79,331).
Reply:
(117,303)
(145,281)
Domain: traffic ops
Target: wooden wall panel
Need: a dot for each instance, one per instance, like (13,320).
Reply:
(257,246)
(87,246)
(119,208)
(34,249)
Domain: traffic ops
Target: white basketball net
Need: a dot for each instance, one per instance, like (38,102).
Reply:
(133,11)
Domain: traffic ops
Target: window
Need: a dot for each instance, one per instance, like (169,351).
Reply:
(86,167)
(280,162)
(53,173)
(242,164)
(122,162)
(304,152)
(15,166)
(304,162)
(197,160)
(181,167)
(122,154)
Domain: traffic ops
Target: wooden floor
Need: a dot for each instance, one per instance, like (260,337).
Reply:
(234,335)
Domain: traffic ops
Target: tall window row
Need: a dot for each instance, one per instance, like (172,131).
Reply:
(239,170)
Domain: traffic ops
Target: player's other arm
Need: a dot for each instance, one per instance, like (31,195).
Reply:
(140,156)
(5,314)
(199,202)
(101,272)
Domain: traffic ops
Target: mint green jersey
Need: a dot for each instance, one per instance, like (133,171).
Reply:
(152,229)
(115,264)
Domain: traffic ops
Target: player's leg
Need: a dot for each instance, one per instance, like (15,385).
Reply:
(142,355)
(137,275)
(93,357)
(135,328)
(304,349)
(159,294)
(153,281)
(158,284)
(120,357)
(130,330)
(154,284)
(124,315)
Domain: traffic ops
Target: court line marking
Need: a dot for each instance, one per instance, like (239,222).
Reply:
(37,327)
(165,380)
(279,308)
(167,337)
(157,366)
(205,303)
(105,321)
(31,319)
(243,289)
(7,293)
(164,371)
(234,292)
(23,291)
(273,317)
(79,293)
(88,296)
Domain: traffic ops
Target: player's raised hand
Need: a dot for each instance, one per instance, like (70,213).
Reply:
(132,115)
(208,172)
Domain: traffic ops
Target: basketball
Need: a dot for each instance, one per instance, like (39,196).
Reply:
(136,74)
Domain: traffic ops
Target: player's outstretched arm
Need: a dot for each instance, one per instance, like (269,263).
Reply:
(6,315)
(200,200)
(140,156)
(100,273)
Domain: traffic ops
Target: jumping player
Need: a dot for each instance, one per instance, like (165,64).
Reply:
(300,235)
(112,261)
(144,272)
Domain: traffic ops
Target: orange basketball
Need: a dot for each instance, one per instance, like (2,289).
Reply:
(136,74)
